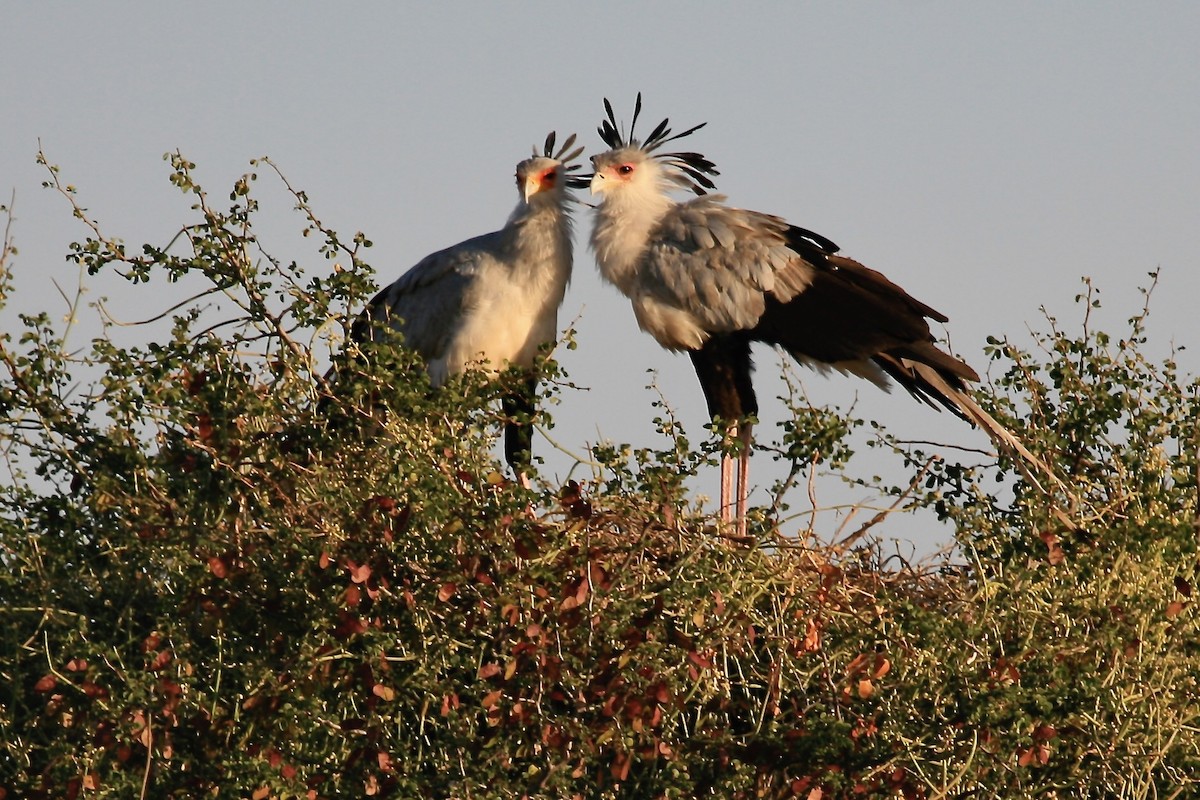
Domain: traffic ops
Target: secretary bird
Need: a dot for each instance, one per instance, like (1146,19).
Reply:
(710,279)
(492,301)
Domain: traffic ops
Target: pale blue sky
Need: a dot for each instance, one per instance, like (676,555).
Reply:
(983,157)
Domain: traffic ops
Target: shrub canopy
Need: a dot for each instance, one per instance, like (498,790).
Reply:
(225,577)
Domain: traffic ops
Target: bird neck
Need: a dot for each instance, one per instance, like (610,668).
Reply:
(621,233)
(540,232)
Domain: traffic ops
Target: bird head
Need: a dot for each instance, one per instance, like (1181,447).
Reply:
(625,169)
(547,176)
(633,164)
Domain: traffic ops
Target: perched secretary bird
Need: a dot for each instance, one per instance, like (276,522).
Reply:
(492,301)
(710,280)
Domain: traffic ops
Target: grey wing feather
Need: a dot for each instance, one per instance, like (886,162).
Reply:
(425,303)
(718,263)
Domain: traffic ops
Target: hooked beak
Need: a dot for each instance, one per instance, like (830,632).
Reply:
(598,183)
(530,186)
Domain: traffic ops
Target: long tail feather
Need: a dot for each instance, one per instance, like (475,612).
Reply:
(1030,465)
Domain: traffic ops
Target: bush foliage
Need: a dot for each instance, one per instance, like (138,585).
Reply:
(216,585)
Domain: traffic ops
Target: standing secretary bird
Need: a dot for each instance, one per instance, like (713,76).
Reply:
(710,280)
(491,301)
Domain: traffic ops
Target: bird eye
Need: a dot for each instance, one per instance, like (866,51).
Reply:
(625,169)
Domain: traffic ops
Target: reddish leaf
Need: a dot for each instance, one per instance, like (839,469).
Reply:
(161,659)
(882,667)
(570,493)
(93,690)
(680,639)
(1054,554)
(1044,733)
(489,670)
(76,665)
(383,692)
(218,567)
(599,576)
(812,637)
(857,665)
(620,766)
(359,573)
(45,684)
(864,728)
(348,625)
(142,730)
(195,382)
(204,427)
(1174,607)
(830,575)
(491,699)
(1035,755)
(447,591)
(324,561)
(656,717)
(1004,672)
(572,499)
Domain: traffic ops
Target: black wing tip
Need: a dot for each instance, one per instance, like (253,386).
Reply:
(822,243)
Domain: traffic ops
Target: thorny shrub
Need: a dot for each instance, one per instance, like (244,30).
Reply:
(217,585)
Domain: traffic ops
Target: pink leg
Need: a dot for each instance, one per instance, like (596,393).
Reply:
(527,484)
(726,489)
(743,477)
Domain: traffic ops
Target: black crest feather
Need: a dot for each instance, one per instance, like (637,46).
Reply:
(694,166)
(565,156)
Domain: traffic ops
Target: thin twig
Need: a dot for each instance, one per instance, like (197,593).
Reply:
(812,493)
(149,753)
(108,315)
(845,544)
